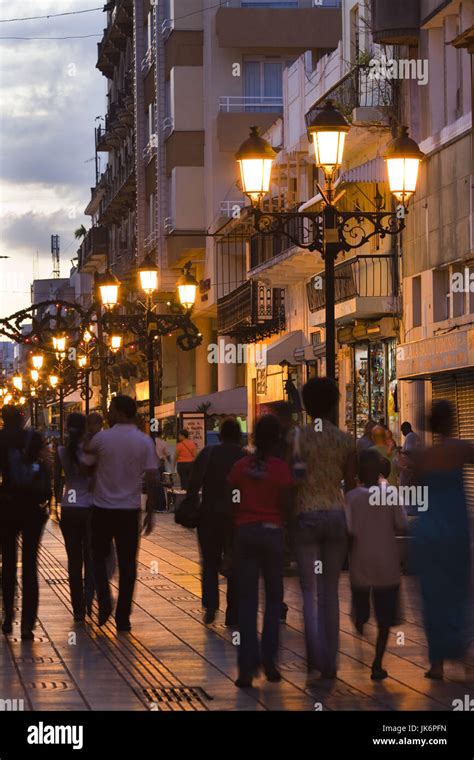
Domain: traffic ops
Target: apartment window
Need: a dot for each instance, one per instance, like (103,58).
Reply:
(457,297)
(151,121)
(149,31)
(441,292)
(263,85)
(416,300)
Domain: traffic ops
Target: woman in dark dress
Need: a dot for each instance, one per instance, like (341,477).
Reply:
(441,542)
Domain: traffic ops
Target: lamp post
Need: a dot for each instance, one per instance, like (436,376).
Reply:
(331,230)
(147,320)
(60,327)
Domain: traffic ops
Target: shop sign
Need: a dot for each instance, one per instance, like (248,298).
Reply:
(195,423)
(437,354)
(261,383)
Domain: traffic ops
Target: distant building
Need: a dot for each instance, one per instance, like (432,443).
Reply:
(7,360)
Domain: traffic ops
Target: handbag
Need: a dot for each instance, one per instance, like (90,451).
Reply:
(188,512)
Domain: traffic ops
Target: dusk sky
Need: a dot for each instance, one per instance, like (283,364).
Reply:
(51,94)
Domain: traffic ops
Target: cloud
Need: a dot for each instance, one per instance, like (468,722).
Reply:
(51,93)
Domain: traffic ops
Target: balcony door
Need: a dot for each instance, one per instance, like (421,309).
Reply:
(263,85)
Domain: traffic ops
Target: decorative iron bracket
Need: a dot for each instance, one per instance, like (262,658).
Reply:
(310,230)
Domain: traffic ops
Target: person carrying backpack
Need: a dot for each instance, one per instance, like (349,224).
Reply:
(25,489)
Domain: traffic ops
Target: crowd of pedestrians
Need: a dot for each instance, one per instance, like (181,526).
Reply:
(295,492)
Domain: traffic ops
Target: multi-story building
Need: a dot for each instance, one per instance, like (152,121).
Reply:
(7,361)
(368,303)
(185,82)
(436,352)
(391,292)
(222,70)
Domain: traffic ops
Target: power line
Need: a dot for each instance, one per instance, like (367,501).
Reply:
(75,37)
(194,13)
(50,15)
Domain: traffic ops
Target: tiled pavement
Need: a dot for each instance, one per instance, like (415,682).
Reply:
(171,661)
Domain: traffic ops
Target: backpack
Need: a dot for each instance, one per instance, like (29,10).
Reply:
(28,478)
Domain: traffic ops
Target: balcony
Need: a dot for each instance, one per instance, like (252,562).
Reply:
(252,312)
(365,288)
(277,259)
(151,242)
(119,192)
(357,92)
(238,112)
(118,121)
(150,149)
(231,209)
(113,43)
(289,26)
(396,23)
(93,250)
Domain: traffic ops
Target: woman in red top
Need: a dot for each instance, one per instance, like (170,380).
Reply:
(260,483)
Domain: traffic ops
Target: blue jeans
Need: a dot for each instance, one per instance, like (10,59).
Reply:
(258,549)
(321,536)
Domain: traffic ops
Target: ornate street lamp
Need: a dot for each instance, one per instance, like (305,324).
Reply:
(34,375)
(109,289)
(87,336)
(115,343)
(330,230)
(187,287)
(403,158)
(53,381)
(148,276)
(37,361)
(17,382)
(59,345)
(328,130)
(255,158)
(82,361)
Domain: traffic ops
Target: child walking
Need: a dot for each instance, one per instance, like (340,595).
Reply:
(374,560)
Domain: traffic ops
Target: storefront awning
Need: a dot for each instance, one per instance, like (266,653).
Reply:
(283,349)
(374,170)
(233,401)
(309,352)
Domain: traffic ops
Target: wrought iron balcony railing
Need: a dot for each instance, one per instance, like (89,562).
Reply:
(365,276)
(94,244)
(250,103)
(357,89)
(266,247)
(251,312)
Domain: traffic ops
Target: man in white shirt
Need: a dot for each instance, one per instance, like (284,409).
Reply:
(122,455)
(412,440)
(411,446)
(162,451)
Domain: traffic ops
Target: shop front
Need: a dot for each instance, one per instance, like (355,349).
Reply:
(446,362)
(280,377)
(369,377)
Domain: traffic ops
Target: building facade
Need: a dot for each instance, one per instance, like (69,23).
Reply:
(185,83)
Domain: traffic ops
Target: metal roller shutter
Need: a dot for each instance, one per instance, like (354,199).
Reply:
(459,389)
